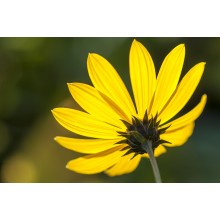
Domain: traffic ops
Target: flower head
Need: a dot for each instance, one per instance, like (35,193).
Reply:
(116,128)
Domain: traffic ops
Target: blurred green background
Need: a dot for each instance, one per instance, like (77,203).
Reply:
(33,80)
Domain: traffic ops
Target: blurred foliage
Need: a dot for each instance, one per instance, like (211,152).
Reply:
(33,77)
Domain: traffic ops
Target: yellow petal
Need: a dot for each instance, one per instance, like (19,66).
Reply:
(143,76)
(189,117)
(87,146)
(178,137)
(183,92)
(96,163)
(92,102)
(84,124)
(168,77)
(116,108)
(124,165)
(105,79)
(157,152)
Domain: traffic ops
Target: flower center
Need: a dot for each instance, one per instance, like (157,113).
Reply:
(140,131)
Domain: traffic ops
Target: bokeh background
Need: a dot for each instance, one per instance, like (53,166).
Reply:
(33,80)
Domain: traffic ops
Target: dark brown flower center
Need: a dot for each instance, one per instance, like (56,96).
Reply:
(139,131)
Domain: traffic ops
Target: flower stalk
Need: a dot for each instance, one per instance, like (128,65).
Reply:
(147,145)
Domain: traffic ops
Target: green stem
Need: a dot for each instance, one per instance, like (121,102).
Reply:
(147,145)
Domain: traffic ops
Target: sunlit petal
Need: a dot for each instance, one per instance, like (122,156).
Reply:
(179,136)
(124,165)
(189,117)
(143,77)
(168,77)
(105,79)
(92,102)
(96,163)
(87,146)
(84,124)
(183,92)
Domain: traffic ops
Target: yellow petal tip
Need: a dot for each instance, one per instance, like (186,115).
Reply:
(203,100)
(201,64)
(70,85)
(90,55)
(180,48)
(134,41)
(74,84)
(204,97)
(56,138)
(67,166)
(54,110)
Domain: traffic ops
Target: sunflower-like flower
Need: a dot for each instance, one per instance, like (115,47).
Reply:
(115,128)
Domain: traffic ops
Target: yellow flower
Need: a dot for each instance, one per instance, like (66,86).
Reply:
(114,125)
